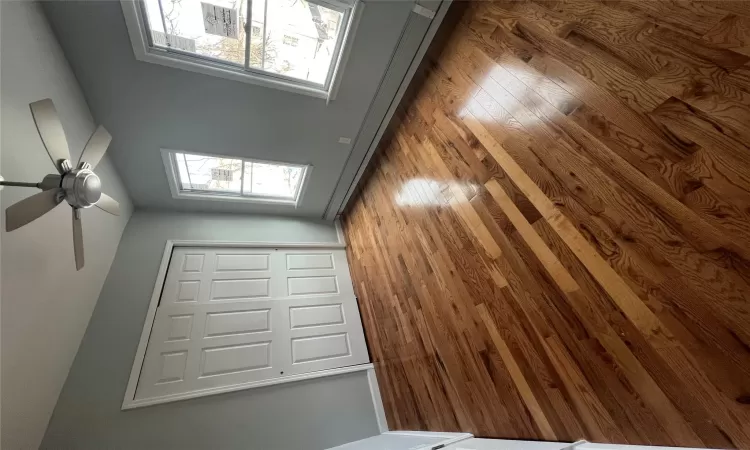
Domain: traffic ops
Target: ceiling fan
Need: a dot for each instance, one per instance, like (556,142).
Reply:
(78,185)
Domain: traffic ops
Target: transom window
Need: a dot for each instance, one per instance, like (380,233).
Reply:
(229,178)
(291,42)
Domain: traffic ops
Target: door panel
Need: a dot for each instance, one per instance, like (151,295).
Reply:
(321,284)
(323,333)
(318,315)
(241,289)
(235,358)
(228,343)
(233,316)
(297,261)
(230,323)
(317,348)
(241,262)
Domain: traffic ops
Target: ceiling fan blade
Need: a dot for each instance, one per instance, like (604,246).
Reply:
(51,131)
(30,208)
(96,146)
(108,204)
(77,238)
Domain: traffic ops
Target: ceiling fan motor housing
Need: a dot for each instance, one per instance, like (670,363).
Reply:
(82,187)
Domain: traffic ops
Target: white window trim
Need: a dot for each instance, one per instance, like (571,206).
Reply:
(174,188)
(129,402)
(138,33)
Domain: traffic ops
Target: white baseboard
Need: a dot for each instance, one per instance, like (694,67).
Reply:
(340,231)
(377,400)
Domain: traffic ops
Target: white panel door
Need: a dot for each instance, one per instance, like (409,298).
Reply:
(320,318)
(233,316)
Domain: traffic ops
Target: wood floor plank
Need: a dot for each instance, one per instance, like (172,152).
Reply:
(689,18)
(545,429)
(625,50)
(672,45)
(624,84)
(599,328)
(709,89)
(552,241)
(738,7)
(732,32)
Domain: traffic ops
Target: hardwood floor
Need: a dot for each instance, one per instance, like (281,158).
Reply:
(554,240)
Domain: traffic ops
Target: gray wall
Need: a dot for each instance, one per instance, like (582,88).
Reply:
(417,39)
(310,415)
(376,117)
(150,106)
(46,303)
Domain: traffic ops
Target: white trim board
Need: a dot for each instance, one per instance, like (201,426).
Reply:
(129,401)
(239,387)
(348,41)
(375,442)
(422,11)
(584,445)
(377,400)
(340,231)
(450,438)
(140,353)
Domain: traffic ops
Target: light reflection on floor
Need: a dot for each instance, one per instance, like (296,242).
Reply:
(429,192)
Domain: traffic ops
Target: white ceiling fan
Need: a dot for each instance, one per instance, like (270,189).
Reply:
(78,185)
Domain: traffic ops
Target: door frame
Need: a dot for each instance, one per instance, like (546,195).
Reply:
(129,402)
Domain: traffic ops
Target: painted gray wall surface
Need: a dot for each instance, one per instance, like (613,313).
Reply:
(46,304)
(152,107)
(309,415)
(402,59)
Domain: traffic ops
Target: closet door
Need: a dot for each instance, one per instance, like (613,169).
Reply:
(320,327)
(234,316)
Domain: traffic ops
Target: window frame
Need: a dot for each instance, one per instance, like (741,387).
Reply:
(144,50)
(168,157)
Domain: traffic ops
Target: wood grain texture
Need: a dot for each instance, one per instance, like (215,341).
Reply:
(553,241)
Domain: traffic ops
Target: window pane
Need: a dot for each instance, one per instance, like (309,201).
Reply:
(298,38)
(273,180)
(209,173)
(214,28)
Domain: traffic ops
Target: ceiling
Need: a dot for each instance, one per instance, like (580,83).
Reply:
(147,107)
